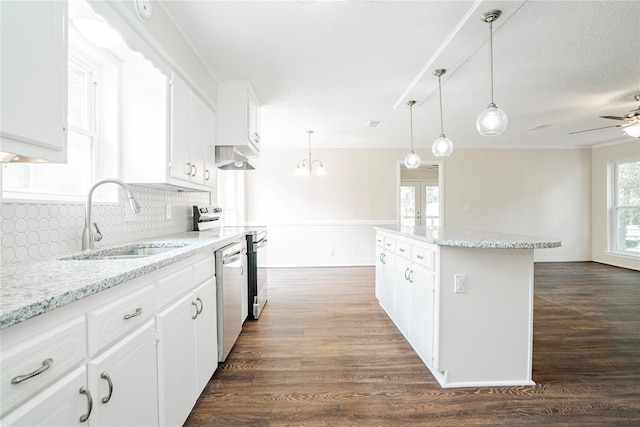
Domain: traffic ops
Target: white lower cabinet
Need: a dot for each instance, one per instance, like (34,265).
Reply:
(422,302)
(187,351)
(152,347)
(406,289)
(61,404)
(123,381)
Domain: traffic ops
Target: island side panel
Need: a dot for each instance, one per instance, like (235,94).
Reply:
(486,334)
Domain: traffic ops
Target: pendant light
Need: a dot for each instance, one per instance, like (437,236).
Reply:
(442,147)
(304,167)
(492,121)
(412,160)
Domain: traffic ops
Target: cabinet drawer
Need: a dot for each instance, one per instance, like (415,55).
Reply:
(423,256)
(389,243)
(403,249)
(173,286)
(117,318)
(53,353)
(203,270)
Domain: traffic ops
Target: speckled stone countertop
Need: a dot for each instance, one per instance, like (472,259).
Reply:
(31,288)
(444,236)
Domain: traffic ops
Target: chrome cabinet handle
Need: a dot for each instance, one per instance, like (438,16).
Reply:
(201,305)
(207,175)
(242,270)
(106,377)
(406,274)
(401,250)
(131,316)
(193,303)
(46,364)
(257,137)
(85,417)
(382,257)
(410,276)
(194,170)
(419,257)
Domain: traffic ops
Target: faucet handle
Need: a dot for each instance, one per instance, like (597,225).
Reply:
(97,236)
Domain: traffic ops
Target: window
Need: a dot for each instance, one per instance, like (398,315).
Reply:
(625,222)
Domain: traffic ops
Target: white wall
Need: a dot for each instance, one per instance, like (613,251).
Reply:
(601,159)
(536,192)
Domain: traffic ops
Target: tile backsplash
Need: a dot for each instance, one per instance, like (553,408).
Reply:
(33,231)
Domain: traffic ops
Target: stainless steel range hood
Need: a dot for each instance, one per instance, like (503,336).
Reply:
(228,158)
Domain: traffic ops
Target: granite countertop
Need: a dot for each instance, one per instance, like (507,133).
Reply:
(28,289)
(444,236)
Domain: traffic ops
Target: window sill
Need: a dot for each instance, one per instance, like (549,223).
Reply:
(625,255)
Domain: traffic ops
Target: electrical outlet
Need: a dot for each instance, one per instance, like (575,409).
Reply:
(332,253)
(460,283)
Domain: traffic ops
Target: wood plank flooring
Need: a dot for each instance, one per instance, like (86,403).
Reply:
(325,354)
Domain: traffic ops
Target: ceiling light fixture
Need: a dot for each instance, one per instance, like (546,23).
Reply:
(412,160)
(492,121)
(304,167)
(633,130)
(442,147)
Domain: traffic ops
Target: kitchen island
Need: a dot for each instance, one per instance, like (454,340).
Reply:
(463,299)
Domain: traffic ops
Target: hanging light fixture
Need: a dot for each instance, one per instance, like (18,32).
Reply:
(304,167)
(412,160)
(492,121)
(442,147)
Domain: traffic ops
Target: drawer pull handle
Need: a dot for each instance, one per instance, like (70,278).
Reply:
(410,276)
(201,305)
(193,303)
(131,316)
(419,257)
(106,377)
(85,417)
(46,364)
(406,274)
(401,250)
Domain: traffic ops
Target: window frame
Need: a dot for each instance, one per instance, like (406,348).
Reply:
(616,208)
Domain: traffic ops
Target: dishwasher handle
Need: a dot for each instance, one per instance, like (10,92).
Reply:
(261,244)
(228,259)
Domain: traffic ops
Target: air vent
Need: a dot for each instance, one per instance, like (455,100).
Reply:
(374,123)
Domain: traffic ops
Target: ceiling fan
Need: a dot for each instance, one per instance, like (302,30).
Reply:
(632,122)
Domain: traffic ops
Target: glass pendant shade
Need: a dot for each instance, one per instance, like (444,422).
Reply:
(492,121)
(633,130)
(320,171)
(442,147)
(412,161)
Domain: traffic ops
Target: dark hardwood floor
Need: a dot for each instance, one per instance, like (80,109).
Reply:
(325,354)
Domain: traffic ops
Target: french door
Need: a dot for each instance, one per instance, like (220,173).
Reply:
(419,202)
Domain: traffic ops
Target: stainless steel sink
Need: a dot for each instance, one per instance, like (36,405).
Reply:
(122,253)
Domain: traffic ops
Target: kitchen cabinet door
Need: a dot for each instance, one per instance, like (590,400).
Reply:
(387,300)
(61,404)
(380,264)
(123,381)
(239,117)
(422,313)
(176,360)
(33,59)
(206,333)
(182,167)
(403,280)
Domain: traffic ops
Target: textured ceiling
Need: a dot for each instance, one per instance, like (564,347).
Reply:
(334,66)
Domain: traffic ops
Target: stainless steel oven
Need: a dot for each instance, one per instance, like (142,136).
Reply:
(258,278)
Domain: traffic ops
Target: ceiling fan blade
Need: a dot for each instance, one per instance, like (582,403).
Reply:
(589,130)
(614,117)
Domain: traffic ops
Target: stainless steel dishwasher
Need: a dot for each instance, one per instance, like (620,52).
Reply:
(231,277)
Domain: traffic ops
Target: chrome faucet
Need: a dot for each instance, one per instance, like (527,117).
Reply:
(88,237)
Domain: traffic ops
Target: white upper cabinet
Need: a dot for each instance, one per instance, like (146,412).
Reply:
(34,79)
(168,131)
(238,117)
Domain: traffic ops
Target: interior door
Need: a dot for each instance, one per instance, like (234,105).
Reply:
(419,203)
